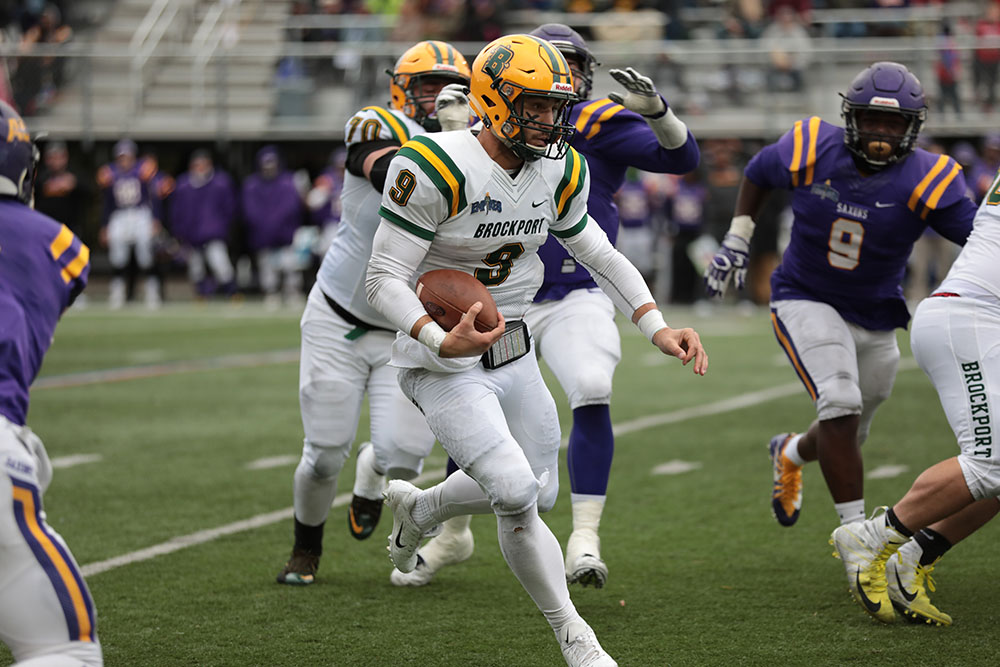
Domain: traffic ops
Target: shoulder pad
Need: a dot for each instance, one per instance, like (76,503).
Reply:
(588,117)
(440,168)
(373,123)
(936,174)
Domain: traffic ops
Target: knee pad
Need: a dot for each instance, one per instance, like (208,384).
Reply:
(549,492)
(593,385)
(402,465)
(512,493)
(982,476)
(839,396)
(324,462)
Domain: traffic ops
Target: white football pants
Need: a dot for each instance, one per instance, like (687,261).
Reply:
(847,370)
(131,228)
(47,616)
(954,340)
(335,373)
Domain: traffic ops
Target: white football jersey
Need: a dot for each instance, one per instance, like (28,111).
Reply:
(341,276)
(446,189)
(977,263)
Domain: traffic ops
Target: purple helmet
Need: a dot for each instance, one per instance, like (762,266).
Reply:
(569,42)
(886,87)
(18,156)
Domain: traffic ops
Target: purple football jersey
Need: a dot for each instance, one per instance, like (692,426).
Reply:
(272,209)
(203,213)
(126,188)
(612,139)
(43,267)
(852,234)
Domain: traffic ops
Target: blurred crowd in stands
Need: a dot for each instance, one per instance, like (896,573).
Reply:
(30,83)
(263,228)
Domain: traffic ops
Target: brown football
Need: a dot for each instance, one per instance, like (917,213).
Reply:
(447,294)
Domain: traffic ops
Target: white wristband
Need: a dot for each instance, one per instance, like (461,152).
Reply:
(743,226)
(432,335)
(670,131)
(651,322)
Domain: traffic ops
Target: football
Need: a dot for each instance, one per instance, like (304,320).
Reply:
(447,294)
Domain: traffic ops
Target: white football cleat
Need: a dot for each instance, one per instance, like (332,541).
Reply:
(580,647)
(583,559)
(449,548)
(400,496)
(864,547)
(909,582)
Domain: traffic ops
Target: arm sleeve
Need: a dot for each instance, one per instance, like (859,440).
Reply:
(625,138)
(358,153)
(396,255)
(615,275)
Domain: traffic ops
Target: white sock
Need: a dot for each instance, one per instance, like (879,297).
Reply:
(792,450)
(587,511)
(368,482)
(561,617)
(457,495)
(851,511)
(313,496)
(534,556)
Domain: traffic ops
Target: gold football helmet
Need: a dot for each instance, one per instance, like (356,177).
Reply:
(428,60)
(507,71)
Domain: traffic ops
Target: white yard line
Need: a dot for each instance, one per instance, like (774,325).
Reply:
(273,462)
(168,368)
(203,536)
(75,460)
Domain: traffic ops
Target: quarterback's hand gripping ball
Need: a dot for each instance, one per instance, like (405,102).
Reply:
(730,261)
(447,294)
(452,107)
(640,96)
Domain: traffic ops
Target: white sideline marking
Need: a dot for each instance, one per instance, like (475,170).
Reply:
(203,536)
(272,462)
(887,472)
(169,368)
(676,467)
(75,460)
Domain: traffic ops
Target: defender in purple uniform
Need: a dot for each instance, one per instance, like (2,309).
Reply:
(862,195)
(571,320)
(46,613)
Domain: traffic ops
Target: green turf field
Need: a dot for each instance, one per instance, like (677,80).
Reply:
(700,573)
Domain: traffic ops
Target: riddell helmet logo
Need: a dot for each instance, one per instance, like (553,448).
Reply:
(877,101)
(444,66)
(560,87)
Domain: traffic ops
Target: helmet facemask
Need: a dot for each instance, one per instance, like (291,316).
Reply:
(519,119)
(413,105)
(877,150)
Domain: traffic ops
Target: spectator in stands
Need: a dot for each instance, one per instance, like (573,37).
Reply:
(37,77)
(801,8)
(323,199)
(790,46)
(948,69)
(59,192)
(483,21)
(986,61)
(202,209)
(985,170)
(686,211)
(273,210)
(635,233)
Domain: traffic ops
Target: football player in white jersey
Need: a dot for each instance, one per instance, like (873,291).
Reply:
(954,339)
(346,343)
(484,204)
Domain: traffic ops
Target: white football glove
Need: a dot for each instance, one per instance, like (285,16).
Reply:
(640,96)
(452,107)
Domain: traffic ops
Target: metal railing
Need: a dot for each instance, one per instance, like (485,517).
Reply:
(701,78)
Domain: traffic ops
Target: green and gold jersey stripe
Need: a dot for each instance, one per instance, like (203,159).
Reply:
(398,129)
(403,223)
(440,168)
(571,183)
(572,231)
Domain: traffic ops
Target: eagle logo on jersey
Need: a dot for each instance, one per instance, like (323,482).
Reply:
(825,191)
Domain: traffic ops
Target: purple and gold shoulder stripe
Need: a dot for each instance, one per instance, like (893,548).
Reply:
(70,254)
(927,194)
